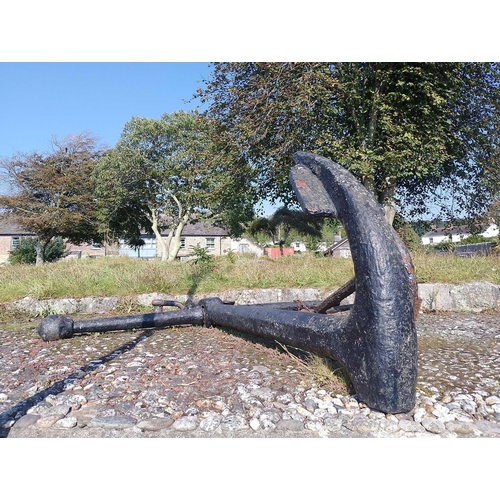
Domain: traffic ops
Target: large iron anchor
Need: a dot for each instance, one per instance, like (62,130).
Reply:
(376,341)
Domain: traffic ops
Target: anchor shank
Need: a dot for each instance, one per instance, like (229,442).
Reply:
(316,333)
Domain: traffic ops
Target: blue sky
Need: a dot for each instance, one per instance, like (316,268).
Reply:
(42,100)
(39,101)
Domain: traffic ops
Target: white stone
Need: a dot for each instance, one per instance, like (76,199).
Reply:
(210,423)
(440,411)
(419,414)
(302,411)
(254,424)
(490,400)
(433,425)
(185,424)
(67,423)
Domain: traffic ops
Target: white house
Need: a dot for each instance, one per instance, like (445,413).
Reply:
(455,234)
(298,246)
(244,245)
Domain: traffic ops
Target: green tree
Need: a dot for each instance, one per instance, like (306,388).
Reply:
(406,232)
(52,193)
(165,173)
(280,225)
(404,129)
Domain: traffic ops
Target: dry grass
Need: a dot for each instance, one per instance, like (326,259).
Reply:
(121,276)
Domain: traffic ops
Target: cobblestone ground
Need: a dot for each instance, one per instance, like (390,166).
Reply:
(197,382)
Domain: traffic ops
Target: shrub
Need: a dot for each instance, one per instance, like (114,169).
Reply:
(475,238)
(201,257)
(406,232)
(25,253)
(444,246)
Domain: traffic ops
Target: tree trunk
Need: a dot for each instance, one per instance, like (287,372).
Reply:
(175,243)
(159,240)
(40,251)
(387,202)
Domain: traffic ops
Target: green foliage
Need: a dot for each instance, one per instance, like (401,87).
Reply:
(53,194)
(164,173)
(201,257)
(25,253)
(231,256)
(474,238)
(444,246)
(406,232)
(311,243)
(403,128)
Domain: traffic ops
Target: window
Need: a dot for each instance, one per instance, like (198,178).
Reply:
(244,248)
(14,242)
(210,244)
(183,244)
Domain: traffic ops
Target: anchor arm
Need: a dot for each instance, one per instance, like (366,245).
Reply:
(381,353)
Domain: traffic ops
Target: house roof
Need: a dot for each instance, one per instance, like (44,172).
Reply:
(9,228)
(344,242)
(200,229)
(447,231)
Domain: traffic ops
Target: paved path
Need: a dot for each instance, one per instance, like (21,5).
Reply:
(196,382)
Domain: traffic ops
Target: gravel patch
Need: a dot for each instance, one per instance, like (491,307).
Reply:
(198,382)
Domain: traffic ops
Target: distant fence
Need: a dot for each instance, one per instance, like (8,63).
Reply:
(472,249)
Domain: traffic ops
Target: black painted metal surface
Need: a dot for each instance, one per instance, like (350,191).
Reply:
(376,341)
(57,327)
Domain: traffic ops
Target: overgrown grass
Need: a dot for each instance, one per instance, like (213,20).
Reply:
(121,276)
(448,268)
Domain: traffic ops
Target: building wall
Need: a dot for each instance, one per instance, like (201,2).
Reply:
(87,250)
(491,232)
(344,252)
(455,238)
(298,246)
(243,245)
(276,252)
(5,248)
(221,245)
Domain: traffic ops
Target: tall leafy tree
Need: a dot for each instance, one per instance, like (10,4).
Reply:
(405,129)
(52,193)
(165,173)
